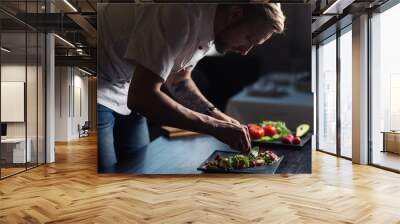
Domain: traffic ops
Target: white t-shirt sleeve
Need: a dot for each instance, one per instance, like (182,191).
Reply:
(158,38)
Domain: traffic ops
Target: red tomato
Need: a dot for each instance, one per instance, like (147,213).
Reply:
(296,140)
(270,130)
(252,125)
(255,131)
(288,139)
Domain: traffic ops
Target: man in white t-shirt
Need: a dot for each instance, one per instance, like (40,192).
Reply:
(144,46)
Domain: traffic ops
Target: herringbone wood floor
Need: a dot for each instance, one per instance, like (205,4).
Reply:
(70,191)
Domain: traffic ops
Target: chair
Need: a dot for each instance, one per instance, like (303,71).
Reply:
(84,130)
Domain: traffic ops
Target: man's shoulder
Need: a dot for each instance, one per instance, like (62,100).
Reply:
(190,11)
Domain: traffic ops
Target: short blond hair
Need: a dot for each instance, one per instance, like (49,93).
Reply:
(275,16)
(271,13)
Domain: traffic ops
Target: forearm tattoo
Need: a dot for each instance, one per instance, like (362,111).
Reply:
(186,93)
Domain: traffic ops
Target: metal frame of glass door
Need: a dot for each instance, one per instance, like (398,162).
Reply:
(338,34)
(44,78)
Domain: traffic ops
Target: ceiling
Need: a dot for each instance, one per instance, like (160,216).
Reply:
(75,21)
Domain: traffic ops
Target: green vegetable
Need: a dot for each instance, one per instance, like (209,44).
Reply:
(240,161)
(264,139)
(280,127)
(267,159)
(254,152)
(245,162)
(276,137)
(302,129)
(230,162)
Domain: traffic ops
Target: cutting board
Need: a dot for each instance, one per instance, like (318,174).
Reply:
(172,132)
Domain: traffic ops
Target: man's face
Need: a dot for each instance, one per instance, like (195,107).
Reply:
(241,37)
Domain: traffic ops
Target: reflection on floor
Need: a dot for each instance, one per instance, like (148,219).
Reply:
(10,169)
(386,159)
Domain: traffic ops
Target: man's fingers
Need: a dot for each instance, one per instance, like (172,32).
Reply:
(248,138)
(235,121)
(239,139)
(247,132)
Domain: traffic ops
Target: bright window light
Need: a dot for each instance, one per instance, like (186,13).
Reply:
(70,5)
(65,41)
(5,50)
(84,71)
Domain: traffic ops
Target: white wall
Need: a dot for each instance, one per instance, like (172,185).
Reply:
(17,73)
(61,103)
(70,83)
(80,89)
(12,73)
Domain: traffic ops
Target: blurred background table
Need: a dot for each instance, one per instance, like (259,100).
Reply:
(272,99)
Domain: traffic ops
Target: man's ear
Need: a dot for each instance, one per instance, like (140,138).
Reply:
(235,14)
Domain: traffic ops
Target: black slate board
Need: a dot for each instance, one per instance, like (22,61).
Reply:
(266,169)
(304,140)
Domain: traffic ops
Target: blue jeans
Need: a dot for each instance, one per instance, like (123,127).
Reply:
(118,135)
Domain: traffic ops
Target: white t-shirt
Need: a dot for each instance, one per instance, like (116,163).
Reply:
(164,38)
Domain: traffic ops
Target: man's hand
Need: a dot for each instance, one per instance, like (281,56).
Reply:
(146,98)
(236,136)
(217,114)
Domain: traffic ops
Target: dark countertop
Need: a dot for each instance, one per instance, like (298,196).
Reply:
(184,155)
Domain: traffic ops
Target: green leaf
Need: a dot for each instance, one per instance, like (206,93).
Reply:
(266,139)
(254,152)
(276,137)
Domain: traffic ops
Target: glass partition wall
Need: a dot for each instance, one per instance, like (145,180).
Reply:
(22,78)
(327,95)
(345,91)
(385,89)
(334,94)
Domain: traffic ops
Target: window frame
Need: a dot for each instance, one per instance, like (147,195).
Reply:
(378,10)
(333,37)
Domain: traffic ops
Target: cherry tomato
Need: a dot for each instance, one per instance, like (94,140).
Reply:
(296,140)
(273,156)
(288,139)
(270,130)
(255,131)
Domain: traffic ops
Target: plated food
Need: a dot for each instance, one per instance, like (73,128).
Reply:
(276,131)
(240,161)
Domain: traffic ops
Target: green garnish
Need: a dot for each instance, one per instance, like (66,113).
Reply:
(280,127)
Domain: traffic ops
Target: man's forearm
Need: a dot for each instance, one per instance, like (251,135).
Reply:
(146,98)
(186,92)
(165,111)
